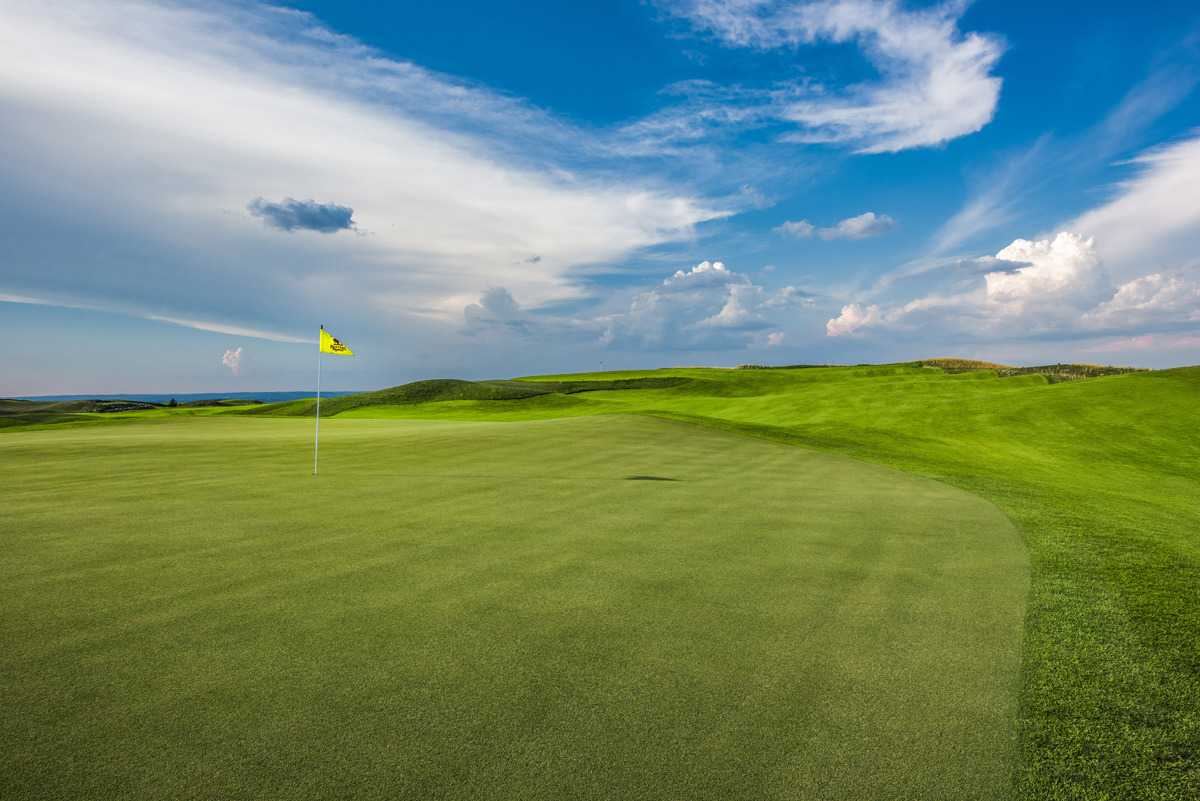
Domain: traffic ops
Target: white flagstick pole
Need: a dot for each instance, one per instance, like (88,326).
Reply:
(317,444)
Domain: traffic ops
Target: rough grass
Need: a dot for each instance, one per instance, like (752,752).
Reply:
(1102,479)
(475,610)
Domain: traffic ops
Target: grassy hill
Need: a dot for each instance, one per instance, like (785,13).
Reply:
(443,390)
(1099,475)
(15,413)
(101,411)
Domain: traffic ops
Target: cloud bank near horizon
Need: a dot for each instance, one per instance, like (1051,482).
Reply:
(1054,286)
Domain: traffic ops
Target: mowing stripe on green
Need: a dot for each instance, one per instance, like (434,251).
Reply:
(474,610)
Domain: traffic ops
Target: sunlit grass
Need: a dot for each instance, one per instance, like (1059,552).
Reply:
(472,610)
(1102,477)
(1099,475)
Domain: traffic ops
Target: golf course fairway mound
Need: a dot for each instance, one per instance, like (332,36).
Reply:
(485,610)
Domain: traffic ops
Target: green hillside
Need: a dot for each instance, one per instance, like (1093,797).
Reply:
(14,413)
(1098,473)
(1101,475)
(443,390)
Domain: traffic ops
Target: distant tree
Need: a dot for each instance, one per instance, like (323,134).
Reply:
(173,403)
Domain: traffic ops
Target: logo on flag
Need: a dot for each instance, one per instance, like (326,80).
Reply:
(331,345)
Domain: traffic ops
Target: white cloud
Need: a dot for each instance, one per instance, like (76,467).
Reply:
(233,360)
(1153,223)
(788,297)
(200,325)
(799,229)
(135,133)
(705,307)
(936,83)
(1053,274)
(1057,285)
(1148,234)
(775,339)
(1148,301)
(852,318)
(860,227)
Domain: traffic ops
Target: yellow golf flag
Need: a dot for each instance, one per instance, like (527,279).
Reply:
(331,345)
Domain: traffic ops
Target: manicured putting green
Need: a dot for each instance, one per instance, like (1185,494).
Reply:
(483,610)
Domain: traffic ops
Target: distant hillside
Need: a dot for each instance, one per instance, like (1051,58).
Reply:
(454,389)
(1055,373)
(18,412)
(210,402)
(18,406)
(188,397)
(14,412)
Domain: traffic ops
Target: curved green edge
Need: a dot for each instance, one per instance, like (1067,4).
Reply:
(464,610)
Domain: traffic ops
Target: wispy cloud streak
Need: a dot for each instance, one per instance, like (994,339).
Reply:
(935,84)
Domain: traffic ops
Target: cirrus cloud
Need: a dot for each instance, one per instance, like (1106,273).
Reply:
(935,82)
(146,125)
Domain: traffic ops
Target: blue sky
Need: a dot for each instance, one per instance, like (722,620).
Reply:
(188,189)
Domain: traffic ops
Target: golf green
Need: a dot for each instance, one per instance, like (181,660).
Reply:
(602,607)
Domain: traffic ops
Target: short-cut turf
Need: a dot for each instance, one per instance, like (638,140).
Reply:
(1102,476)
(473,610)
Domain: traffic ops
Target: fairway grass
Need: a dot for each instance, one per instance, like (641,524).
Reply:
(1101,476)
(488,610)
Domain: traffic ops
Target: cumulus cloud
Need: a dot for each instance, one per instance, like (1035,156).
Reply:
(788,297)
(1146,284)
(498,316)
(233,360)
(1037,286)
(1148,301)
(1057,285)
(860,227)
(495,307)
(705,307)
(799,229)
(1047,275)
(935,82)
(290,214)
(775,339)
(852,318)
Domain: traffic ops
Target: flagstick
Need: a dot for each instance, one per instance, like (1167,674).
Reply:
(317,444)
